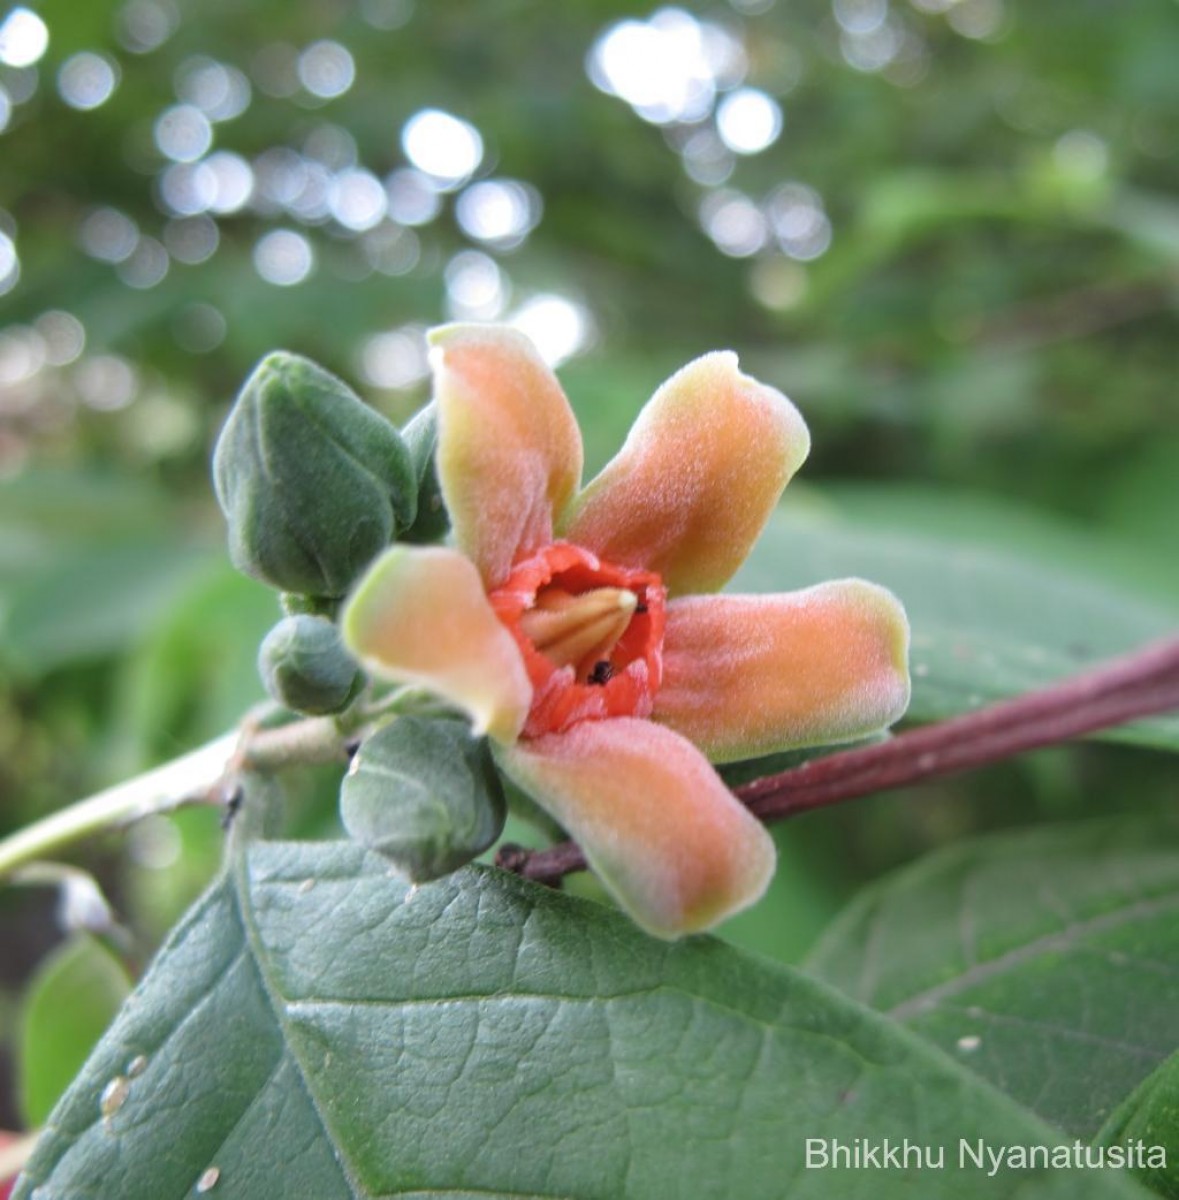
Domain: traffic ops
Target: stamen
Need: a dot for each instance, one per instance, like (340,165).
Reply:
(569,629)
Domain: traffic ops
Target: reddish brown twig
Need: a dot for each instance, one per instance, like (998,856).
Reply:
(1125,689)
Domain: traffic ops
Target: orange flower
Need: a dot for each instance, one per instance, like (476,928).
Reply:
(564,622)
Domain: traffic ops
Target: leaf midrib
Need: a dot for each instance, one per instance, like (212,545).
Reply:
(240,876)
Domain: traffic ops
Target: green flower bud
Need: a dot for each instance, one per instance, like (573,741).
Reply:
(314,484)
(421,436)
(304,665)
(425,794)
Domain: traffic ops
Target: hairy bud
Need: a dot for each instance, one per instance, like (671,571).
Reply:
(425,794)
(314,484)
(304,665)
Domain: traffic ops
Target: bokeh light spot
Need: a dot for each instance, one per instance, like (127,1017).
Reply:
(192,240)
(187,189)
(413,198)
(24,38)
(798,221)
(357,200)
(441,145)
(183,133)
(22,355)
(9,264)
(106,382)
(872,51)
(501,212)
(109,235)
(748,121)
(396,359)
(64,336)
(860,16)
(87,80)
(476,289)
(391,249)
(221,92)
(706,159)
(146,266)
(735,224)
(326,69)
(145,25)
(979,20)
(283,257)
(667,68)
(233,181)
(559,327)
(331,145)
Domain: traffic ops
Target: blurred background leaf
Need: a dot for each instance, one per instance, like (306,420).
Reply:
(65,1010)
(1039,959)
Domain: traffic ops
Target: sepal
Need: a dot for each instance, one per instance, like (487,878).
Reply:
(421,437)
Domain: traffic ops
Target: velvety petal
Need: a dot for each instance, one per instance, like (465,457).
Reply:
(420,616)
(674,846)
(747,675)
(509,450)
(699,474)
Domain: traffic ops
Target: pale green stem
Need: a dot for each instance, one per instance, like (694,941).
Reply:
(184,780)
(193,778)
(313,740)
(408,699)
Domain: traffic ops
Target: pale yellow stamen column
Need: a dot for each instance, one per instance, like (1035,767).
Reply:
(569,629)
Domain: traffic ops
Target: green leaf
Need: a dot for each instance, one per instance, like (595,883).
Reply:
(988,623)
(1151,1115)
(1044,960)
(73,505)
(66,1008)
(315,1029)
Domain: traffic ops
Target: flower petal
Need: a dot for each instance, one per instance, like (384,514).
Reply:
(747,675)
(702,469)
(420,616)
(677,850)
(509,450)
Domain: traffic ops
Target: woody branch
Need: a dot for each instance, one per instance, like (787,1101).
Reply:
(1125,689)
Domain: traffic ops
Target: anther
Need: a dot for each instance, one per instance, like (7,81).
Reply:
(602,673)
(570,629)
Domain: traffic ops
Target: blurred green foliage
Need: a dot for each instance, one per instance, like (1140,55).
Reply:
(993,315)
